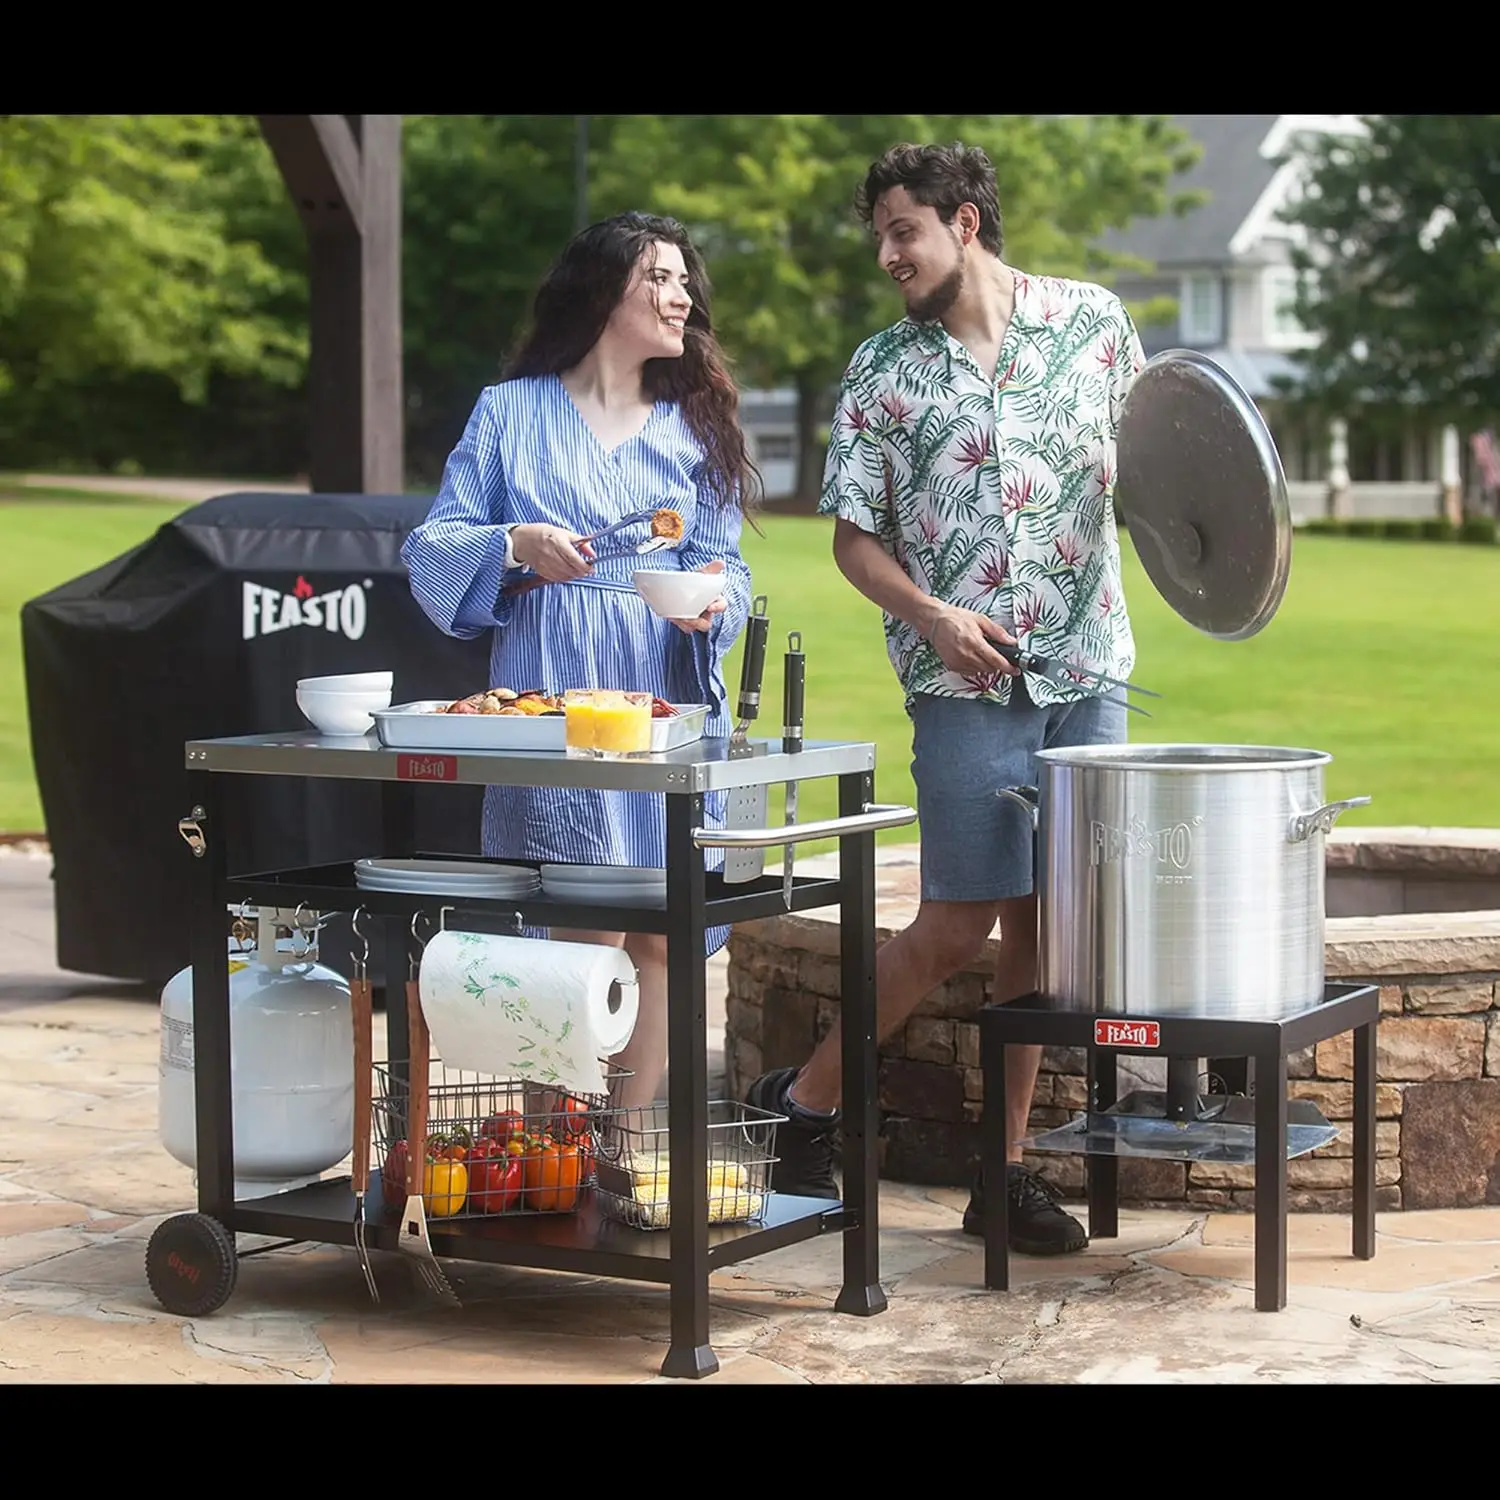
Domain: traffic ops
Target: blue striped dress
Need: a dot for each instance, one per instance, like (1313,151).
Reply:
(526,456)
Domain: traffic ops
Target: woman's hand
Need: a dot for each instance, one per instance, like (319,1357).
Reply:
(706,619)
(551,552)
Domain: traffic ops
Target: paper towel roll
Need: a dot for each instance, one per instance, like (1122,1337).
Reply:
(528,1007)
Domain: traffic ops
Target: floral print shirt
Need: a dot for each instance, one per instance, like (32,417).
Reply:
(995,495)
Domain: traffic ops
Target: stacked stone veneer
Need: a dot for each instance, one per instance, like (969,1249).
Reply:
(1438,1041)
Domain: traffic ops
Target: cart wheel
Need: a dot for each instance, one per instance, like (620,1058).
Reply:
(191,1265)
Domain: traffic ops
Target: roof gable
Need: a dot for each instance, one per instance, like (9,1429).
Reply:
(1233,172)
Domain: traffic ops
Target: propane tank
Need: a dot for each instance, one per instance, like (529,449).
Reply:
(291,1064)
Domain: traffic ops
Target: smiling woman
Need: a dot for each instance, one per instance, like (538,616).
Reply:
(617,413)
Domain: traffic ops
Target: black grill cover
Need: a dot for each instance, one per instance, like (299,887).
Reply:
(200,632)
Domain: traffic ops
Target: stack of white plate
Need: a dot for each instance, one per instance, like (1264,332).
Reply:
(606,885)
(447,877)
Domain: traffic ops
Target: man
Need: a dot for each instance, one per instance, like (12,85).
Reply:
(970,471)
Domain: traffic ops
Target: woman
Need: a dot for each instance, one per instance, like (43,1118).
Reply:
(618,400)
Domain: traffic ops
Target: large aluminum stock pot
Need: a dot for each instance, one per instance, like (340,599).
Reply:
(1181,880)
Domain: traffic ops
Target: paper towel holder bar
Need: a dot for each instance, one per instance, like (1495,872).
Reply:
(442,922)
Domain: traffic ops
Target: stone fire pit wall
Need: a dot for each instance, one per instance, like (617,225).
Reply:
(1416,911)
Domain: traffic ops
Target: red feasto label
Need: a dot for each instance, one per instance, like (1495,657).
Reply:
(427,768)
(1127,1033)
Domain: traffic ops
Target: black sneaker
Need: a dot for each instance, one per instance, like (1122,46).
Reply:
(1037,1225)
(804,1144)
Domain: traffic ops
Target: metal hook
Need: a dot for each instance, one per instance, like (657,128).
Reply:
(299,930)
(442,914)
(412,963)
(364,960)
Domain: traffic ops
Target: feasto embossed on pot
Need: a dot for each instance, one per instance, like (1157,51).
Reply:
(1172,844)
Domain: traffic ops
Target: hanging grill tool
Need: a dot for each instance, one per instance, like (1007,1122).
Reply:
(362,1006)
(794,683)
(414,1240)
(747,805)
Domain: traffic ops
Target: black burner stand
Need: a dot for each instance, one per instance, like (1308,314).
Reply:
(1266,1044)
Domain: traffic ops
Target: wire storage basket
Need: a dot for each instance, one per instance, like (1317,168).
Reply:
(634,1166)
(494,1145)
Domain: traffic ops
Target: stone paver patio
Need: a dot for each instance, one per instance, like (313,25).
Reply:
(84,1180)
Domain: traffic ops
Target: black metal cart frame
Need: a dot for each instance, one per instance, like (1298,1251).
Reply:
(1266,1044)
(684,1255)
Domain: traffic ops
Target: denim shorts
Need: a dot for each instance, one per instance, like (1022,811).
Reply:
(975,845)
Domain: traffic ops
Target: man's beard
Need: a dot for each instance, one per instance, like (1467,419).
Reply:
(930,309)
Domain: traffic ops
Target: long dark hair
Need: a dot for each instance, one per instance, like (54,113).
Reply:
(573,303)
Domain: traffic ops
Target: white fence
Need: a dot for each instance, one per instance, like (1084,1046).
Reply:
(1367,502)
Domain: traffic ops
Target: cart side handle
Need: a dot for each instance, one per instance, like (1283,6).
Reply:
(875,816)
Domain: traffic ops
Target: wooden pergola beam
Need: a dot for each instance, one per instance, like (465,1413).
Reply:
(343,173)
(319,157)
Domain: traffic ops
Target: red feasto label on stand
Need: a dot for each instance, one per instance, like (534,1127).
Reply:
(1127,1033)
(423,767)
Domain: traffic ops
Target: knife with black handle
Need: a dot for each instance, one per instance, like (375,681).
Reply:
(746,806)
(794,685)
(753,668)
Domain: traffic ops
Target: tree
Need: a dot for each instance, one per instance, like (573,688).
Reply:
(114,252)
(488,201)
(769,200)
(1401,266)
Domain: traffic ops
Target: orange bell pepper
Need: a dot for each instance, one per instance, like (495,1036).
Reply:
(551,1172)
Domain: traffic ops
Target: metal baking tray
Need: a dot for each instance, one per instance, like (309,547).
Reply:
(423,726)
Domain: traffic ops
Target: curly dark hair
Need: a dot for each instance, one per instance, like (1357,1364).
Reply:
(940,177)
(573,303)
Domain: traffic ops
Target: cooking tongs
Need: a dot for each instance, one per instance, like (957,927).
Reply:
(638,549)
(1064,674)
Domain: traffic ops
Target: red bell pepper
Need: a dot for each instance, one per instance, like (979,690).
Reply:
(502,1127)
(495,1178)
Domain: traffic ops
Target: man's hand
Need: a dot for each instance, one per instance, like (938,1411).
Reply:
(551,552)
(961,638)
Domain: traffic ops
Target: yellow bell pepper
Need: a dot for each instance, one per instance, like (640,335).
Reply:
(445,1185)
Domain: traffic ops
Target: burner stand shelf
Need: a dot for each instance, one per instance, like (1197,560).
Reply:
(1264,1129)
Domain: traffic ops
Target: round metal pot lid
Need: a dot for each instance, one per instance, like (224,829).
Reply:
(1203,494)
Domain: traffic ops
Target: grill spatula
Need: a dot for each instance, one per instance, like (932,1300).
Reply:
(746,806)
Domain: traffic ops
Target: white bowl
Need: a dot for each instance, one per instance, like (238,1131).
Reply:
(676,595)
(349,682)
(343,713)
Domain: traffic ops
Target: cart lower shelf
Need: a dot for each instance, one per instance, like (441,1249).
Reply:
(585,1241)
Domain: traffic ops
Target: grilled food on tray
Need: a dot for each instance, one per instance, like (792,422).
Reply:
(499,700)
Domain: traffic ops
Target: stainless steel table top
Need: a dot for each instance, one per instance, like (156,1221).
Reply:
(705,766)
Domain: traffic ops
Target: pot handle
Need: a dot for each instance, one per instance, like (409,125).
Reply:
(1026,796)
(1322,819)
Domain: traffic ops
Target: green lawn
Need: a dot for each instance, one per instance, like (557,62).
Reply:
(1403,698)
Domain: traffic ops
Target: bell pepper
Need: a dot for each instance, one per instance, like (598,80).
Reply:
(393,1175)
(576,1127)
(450,1145)
(551,1174)
(494,1178)
(502,1127)
(445,1185)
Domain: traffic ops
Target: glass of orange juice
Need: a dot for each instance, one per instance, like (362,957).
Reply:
(621,724)
(578,721)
